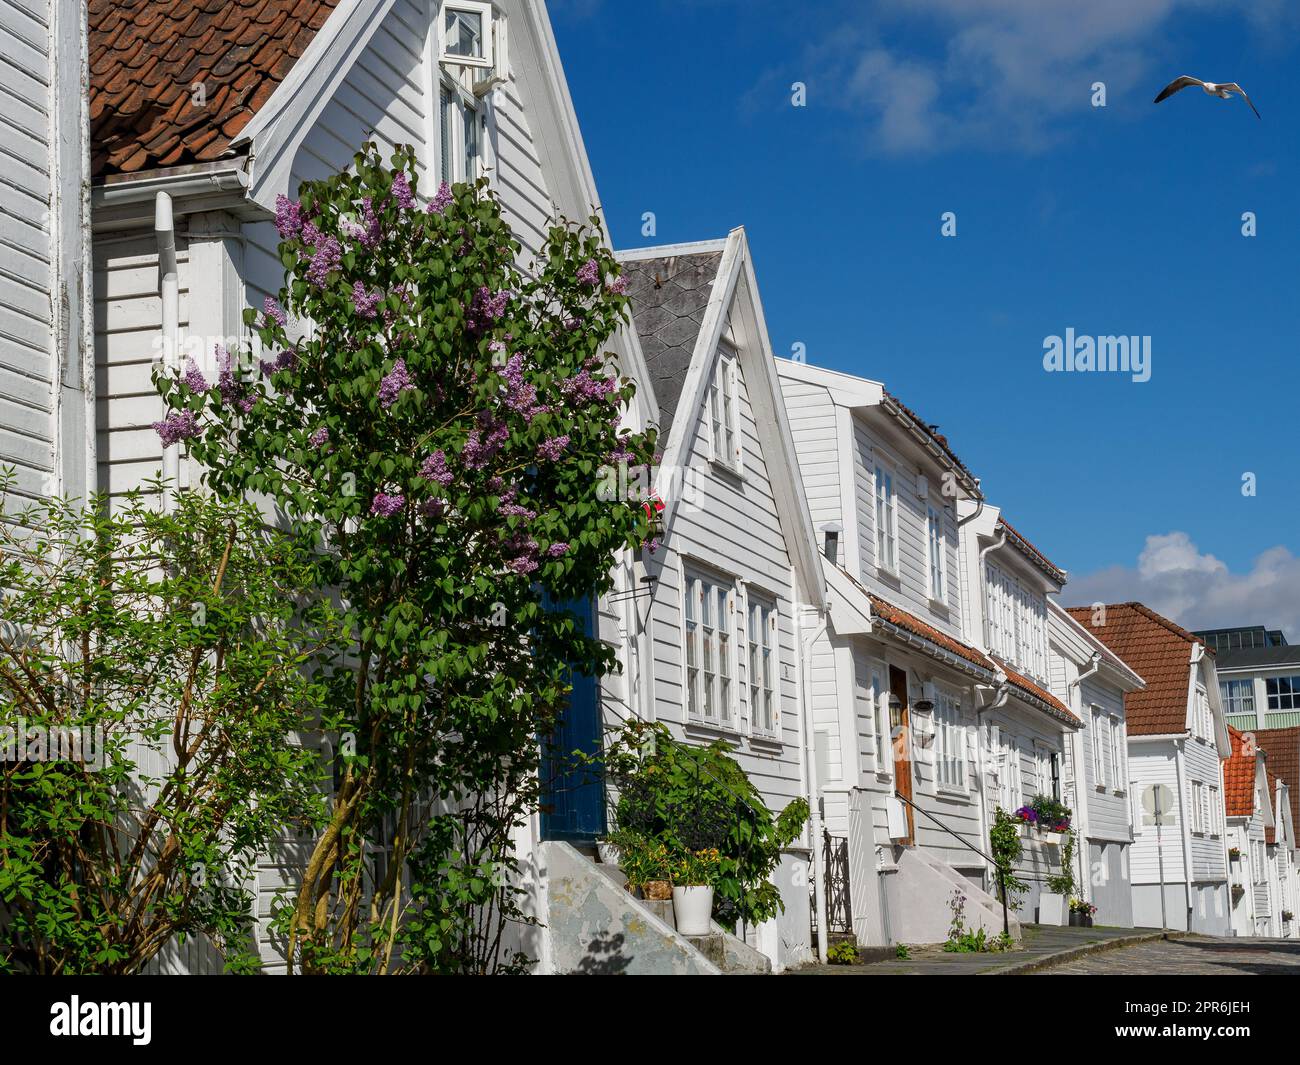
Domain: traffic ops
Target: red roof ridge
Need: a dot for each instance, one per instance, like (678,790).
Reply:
(1146,611)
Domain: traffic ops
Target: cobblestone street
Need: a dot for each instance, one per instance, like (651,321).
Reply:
(1191,956)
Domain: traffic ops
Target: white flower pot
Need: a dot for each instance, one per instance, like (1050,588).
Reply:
(693,910)
(608,853)
(1051,909)
(1053,838)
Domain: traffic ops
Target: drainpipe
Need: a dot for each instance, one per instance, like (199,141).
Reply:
(814,786)
(1081,774)
(169,290)
(1187,857)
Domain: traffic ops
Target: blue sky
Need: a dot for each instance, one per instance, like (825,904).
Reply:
(1123,219)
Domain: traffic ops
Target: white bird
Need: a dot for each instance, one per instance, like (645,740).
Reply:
(1223,91)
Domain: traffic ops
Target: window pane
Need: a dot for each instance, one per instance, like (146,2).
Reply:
(445,119)
(464,34)
(470,117)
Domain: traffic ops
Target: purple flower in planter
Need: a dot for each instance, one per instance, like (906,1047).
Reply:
(288,217)
(385,505)
(441,200)
(1027,814)
(589,273)
(435,469)
(394,384)
(194,379)
(273,312)
(181,425)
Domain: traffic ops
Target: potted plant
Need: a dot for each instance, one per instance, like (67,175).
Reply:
(1081,913)
(1028,817)
(646,863)
(1051,817)
(694,874)
(1238,890)
(1287,916)
(1234,854)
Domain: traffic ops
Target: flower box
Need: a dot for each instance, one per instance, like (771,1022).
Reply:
(1052,838)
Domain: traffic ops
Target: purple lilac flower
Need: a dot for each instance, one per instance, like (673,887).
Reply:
(433,508)
(272,311)
(441,200)
(320,438)
(285,359)
(385,505)
(587,388)
(552,449)
(182,425)
(589,273)
(618,286)
(521,397)
(327,258)
(365,302)
(227,384)
(516,510)
(394,384)
(247,403)
(524,552)
(288,217)
(486,307)
(484,441)
(557,550)
(194,379)
(402,192)
(435,469)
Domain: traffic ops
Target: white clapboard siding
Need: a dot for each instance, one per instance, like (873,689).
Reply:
(1108,812)
(1149,764)
(128,330)
(27,358)
(735,531)
(813,427)
(1202,763)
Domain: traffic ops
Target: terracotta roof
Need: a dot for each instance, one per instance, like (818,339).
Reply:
(1027,686)
(1282,745)
(148,56)
(1239,777)
(1034,554)
(886,610)
(1159,651)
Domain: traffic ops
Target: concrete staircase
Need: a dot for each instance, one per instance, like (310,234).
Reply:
(917,895)
(595,925)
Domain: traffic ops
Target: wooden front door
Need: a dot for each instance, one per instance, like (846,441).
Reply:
(899,732)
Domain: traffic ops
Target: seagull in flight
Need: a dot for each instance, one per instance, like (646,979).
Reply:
(1223,91)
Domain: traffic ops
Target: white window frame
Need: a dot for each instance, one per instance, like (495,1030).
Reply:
(1198,808)
(1216,808)
(881,729)
(949,743)
(1116,780)
(488,30)
(716,705)
(936,539)
(457,108)
(1095,717)
(724,412)
(885,515)
(762,662)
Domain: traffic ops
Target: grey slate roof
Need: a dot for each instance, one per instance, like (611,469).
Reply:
(669,296)
(1258,657)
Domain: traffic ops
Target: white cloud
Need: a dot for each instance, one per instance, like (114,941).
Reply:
(1197,590)
(1003,73)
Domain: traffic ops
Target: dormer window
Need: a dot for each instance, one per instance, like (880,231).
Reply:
(886,520)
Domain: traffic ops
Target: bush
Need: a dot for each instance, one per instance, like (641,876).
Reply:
(843,954)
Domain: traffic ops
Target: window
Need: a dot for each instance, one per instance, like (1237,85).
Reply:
(1216,812)
(1009,782)
(1116,778)
(948,736)
(886,520)
(1015,622)
(938,555)
(762,666)
(724,437)
(459,133)
(880,719)
(1054,774)
(1098,765)
(1238,696)
(1202,716)
(707,610)
(466,34)
(832,545)
(1283,693)
(1198,807)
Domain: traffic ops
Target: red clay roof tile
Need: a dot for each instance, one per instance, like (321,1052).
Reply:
(1282,746)
(146,55)
(1239,776)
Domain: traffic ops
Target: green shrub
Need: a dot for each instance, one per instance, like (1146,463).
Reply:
(843,954)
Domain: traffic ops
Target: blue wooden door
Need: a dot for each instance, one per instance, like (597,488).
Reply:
(573,797)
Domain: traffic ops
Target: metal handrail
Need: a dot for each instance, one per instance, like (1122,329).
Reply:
(1002,887)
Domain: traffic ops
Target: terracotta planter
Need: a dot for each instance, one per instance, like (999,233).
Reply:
(693,910)
(657,890)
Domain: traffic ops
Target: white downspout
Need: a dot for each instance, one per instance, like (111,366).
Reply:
(814,786)
(169,289)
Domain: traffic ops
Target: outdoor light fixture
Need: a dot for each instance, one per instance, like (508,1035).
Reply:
(895,703)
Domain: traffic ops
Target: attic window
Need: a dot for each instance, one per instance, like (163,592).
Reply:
(466,34)
(832,543)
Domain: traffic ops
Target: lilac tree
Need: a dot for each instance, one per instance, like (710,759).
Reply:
(435,419)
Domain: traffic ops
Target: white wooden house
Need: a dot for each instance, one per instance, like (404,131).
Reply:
(1250,819)
(1177,740)
(1093,681)
(46,373)
(716,648)
(191,148)
(923,726)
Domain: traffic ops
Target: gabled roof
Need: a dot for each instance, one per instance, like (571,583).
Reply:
(1240,771)
(1031,552)
(669,295)
(148,56)
(1158,650)
(1282,745)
